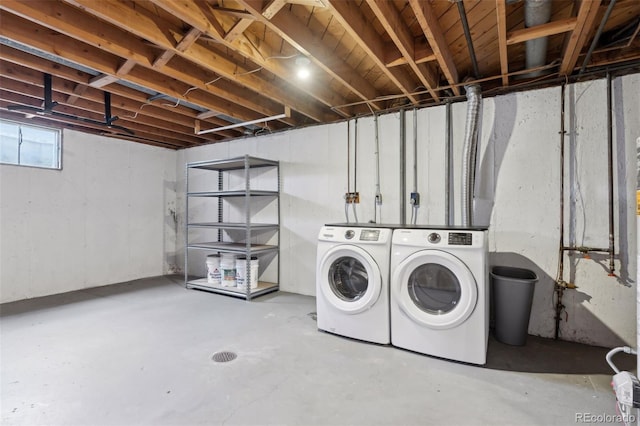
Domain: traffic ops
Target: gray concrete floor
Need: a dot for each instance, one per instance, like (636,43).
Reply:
(140,353)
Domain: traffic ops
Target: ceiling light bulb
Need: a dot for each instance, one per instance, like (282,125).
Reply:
(303,73)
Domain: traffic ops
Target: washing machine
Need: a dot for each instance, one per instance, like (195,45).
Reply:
(439,298)
(352,282)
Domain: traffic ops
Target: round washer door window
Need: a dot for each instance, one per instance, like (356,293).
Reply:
(349,279)
(435,289)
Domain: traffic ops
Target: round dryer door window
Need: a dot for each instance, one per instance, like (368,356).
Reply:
(435,288)
(350,278)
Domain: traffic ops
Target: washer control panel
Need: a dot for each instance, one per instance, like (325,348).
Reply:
(370,235)
(460,239)
(349,234)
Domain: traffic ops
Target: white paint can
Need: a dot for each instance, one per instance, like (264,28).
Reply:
(228,270)
(213,269)
(241,272)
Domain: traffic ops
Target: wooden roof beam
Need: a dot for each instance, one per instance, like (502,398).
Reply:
(189,38)
(288,26)
(200,19)
(544,30)
(421,53)
(429,23)
(501,17)
(351,18)
(75,24)
(30,34)
(394,25)
(579,36)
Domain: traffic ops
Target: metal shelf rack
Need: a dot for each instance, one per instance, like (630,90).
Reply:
(246,248)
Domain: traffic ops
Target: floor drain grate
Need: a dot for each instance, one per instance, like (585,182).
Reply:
(224,356)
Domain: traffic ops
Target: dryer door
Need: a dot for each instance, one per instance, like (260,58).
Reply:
(349,278)
(435,289)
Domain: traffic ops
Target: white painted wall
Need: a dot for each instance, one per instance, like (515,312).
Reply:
(518,177)
(104,218)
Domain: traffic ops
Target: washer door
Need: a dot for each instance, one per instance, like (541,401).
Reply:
(349,278)
(435,289)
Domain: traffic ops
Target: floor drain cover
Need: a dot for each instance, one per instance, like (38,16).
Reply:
(224,356)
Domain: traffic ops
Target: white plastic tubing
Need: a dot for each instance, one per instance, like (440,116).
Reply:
(470,151)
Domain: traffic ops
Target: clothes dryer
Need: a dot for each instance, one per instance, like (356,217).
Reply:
(352,282)
(440,292)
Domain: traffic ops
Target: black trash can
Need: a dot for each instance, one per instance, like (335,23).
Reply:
(512,296)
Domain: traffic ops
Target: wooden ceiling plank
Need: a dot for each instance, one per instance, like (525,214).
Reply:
(25,62)
(120,16)
(186,42)
(15,28)
(578,38)
(501,17)
(395,27)
(239,14)
(544,30)
(294,32)
(355,24)
(93,105)
(428,20)
(197,19)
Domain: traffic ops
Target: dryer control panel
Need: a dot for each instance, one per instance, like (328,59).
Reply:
(460,239)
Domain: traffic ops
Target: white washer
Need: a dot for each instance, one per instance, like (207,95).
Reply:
(440,292)
(352,282)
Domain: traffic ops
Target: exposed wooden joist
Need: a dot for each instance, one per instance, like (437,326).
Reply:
(17,29)
(120,14)
(429,23)
(77,92)
(57,15)
(421,54)
(501,17)
(579,36)
(238,29)
(102,80)
(189,38)
(199,19)
(126,67)
(355,24)
(393,24)
(298,35)
(130,99)
(544,30)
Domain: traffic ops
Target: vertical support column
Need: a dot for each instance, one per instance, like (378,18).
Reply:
(186,225)
(247,221)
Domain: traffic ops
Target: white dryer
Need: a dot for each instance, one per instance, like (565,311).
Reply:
(352,282)
(440,292)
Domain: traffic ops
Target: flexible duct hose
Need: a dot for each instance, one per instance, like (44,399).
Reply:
(470,152)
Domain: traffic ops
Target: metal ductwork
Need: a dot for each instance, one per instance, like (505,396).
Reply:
(536,12)
(470,152)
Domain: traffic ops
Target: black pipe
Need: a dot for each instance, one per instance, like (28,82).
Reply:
(467,35)
(610,165)
(403,173)
(560,278)
(586,249)
(596,38)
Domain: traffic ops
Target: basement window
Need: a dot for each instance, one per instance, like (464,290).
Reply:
(27,145)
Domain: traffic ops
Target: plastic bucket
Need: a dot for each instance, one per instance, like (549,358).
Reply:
(228,270)
(241,272)
(513,296)
(213,269)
